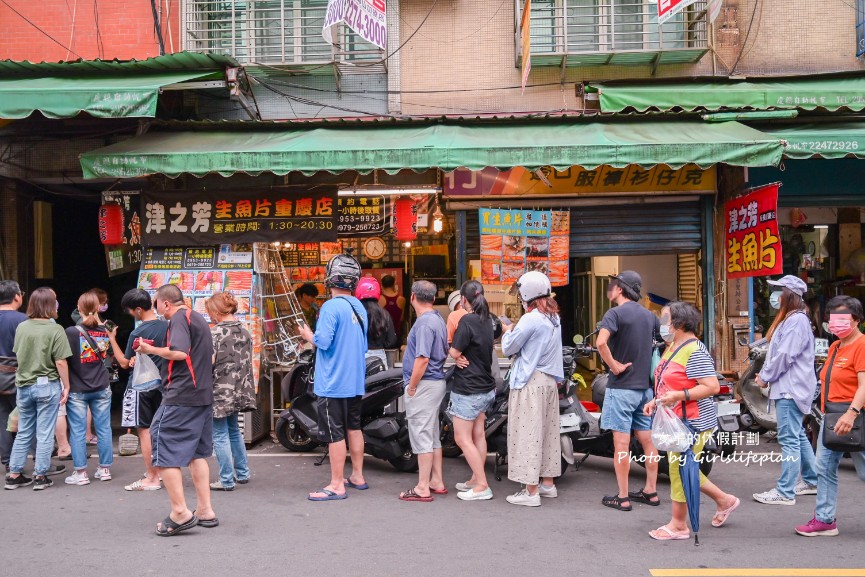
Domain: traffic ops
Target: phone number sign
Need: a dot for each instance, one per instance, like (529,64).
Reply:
(752,240)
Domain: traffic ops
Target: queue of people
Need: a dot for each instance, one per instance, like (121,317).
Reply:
(206,380)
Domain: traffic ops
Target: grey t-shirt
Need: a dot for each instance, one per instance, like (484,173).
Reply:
(428,338)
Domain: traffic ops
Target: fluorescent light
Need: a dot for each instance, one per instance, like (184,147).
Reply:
(821,226)
(389,191)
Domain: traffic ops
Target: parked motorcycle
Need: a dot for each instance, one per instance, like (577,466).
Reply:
(385,430)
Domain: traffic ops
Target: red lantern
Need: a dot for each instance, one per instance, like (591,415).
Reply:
(111,223)
(405,219)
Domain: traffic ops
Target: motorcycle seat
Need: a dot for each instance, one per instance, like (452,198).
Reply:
(383,377)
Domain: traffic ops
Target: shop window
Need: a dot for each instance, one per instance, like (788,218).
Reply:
(270,32)
(593,31)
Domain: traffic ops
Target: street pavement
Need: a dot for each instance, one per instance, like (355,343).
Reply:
(268,527)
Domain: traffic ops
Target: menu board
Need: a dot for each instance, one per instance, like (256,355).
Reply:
(517,241)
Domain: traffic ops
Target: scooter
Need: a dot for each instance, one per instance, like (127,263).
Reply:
(385,430)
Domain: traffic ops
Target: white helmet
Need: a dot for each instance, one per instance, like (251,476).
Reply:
(533,285)
(454,300)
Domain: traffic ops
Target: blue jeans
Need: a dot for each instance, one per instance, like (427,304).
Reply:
(827,479)
(38,406)
(99,403)
(796,452)
(230,451)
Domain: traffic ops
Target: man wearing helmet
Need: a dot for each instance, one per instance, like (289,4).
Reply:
(625,344)
(340,369)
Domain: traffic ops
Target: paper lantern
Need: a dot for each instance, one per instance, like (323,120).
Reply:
(405,219)
(111,223)
(797,217)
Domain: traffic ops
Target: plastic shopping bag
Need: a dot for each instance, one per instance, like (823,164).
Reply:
(145,374)
(669,433)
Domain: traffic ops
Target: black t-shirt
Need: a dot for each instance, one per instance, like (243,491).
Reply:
(151,330)
(474,338)
(632,328)
(9,321)
(192,337)
(87,373)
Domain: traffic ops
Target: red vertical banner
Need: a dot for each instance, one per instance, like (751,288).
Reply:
(752,239)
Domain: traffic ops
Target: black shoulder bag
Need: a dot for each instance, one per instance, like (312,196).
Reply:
(107,362)
(852,442)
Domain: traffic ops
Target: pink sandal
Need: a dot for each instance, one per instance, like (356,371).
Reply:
(724,514)
(664,533)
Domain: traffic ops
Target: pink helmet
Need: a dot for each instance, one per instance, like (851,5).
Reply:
(367,288)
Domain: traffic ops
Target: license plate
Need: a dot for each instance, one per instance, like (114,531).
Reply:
(728,408)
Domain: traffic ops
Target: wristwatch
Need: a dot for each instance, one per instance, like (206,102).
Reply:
(857,411)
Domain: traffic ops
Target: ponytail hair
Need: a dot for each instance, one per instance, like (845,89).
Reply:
(88,307)
(473,292)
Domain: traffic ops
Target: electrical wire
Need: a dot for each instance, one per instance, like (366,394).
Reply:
(71,34)
(157,28)
(416,30)
(468,36)
(747,35)
(31,23)
(100,46)
(323,105)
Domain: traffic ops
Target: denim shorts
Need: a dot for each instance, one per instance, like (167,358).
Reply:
(468,407)
(623,410)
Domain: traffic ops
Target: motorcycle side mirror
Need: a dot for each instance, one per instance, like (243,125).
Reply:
(743,341)
(578,339)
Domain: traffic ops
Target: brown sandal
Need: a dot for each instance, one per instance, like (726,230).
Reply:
(411,495)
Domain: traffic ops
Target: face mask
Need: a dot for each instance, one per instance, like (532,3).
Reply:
(666,333)
(57,306)
(103,308)
(841,325)
(775,300)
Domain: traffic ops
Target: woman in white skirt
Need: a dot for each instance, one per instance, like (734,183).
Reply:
(535,344)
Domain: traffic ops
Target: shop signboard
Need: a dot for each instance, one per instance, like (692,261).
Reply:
(576,180)
(669,8)
(752,240)
(516,241)
(125,257)
(362,215)
(368,18)
(219,217)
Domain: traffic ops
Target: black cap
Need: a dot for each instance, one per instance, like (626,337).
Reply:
(630,279)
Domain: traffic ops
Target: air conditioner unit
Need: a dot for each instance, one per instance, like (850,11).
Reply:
(255,425)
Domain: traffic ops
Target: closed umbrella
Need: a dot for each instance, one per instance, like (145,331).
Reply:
(689,471)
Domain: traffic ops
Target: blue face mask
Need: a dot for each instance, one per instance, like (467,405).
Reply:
(775,300)
(666,333)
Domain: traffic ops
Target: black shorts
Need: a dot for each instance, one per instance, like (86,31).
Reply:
(336,416)
(181,434)
(139,407)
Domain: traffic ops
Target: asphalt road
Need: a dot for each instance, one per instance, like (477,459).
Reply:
(268,527)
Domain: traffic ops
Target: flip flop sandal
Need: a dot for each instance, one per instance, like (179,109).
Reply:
(208,523)
(443,491)
(140,486)
(170,528)
(664,533)
(410,495)
(328,496)
(725,514)
(642,497)
(615,502)
(361,487)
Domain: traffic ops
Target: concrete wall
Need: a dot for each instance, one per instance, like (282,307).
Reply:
(125,29)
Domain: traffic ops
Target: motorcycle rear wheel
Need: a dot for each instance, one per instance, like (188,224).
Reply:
(293,438)
(405,463)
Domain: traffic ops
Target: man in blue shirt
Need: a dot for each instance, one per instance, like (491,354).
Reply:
(340,375)
(11,299)
(423,373)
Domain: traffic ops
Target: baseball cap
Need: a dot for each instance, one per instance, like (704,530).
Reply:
(631,279)
(794,283)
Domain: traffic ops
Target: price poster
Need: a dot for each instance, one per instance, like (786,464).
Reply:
(125,257)
(517,241)
(218,217)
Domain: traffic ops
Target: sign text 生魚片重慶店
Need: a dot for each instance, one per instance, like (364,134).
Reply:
(217,217)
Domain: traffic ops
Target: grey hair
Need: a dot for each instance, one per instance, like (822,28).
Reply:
(424,291)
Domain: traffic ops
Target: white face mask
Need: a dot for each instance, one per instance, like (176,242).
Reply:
(775,300)
(666,333)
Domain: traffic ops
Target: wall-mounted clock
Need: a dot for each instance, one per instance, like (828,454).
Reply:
(374,248)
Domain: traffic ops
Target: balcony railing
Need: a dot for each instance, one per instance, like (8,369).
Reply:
(273,32)
(592,32)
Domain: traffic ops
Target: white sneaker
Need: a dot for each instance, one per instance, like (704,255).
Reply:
(523,498)
(471,495)
(463,487)
(78,478)
(103,474)
(803,488)
(549,492)
(773,497)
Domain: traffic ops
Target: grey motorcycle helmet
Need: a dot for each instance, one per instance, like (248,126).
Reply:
(343,271)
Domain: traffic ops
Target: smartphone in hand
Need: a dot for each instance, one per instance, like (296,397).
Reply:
(505,320)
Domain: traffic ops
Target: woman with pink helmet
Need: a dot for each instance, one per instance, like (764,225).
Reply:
(380,334)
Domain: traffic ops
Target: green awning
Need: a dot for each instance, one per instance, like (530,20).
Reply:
(103,88)
(822,140)
(280,149)
(829,92)
(107,96)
